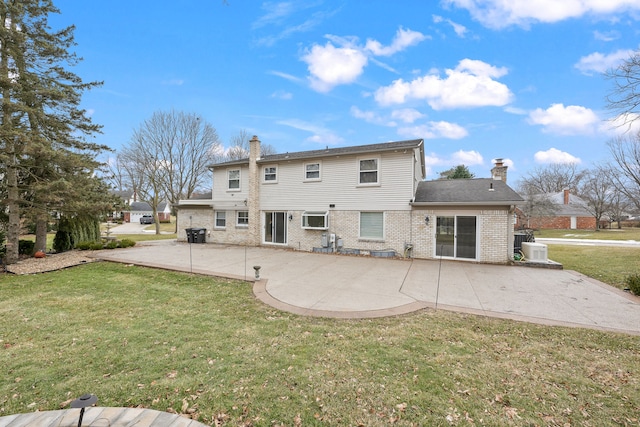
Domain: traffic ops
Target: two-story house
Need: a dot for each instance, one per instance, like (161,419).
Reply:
(368,199)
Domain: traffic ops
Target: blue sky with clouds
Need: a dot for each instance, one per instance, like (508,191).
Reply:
(477,79)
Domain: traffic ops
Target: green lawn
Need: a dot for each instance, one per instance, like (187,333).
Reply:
(142,337)
(606,234)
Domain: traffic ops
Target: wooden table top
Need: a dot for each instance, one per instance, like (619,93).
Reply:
(96,416)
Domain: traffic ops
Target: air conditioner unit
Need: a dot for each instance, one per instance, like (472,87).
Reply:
(534,251)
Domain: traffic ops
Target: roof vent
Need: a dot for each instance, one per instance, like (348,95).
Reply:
(491,186)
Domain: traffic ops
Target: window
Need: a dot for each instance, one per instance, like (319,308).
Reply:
(221,219)
(312,172)
(368,170)
(315,220)
(234,179)
(242,218)
(372,225)
(270,174)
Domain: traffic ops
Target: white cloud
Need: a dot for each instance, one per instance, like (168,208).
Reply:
(341,60)
(459,29)
(432,130)
(501,13)
(407,115)
(600,63)
(553,155)
(402,40)
(623,124)
(467,158)
(607,36)
(281,94)
(330,66)
(370,117)
(569,120)
(321,135)
(286,76)
(468,85)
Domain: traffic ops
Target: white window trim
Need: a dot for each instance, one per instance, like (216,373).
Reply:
(324,214)
(239,179)
(215,220)
(264,172)
(368,184)
(319,178)
(238,224)
(369,238)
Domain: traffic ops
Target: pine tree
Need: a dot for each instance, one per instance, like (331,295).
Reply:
(43,130)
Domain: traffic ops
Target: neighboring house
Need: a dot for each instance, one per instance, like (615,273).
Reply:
(368,199)
(138,209)
(567,212)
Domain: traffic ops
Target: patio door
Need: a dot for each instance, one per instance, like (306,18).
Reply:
(456,237)
(275,227)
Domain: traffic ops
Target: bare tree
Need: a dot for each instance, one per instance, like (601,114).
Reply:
(552,178)
(170,154)
(598,191)
(624,99)
(625,153)
(239,148)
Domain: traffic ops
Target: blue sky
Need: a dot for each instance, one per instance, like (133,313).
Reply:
(477,79)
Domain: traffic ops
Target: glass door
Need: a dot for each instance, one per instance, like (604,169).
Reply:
(275,227)
(456,236)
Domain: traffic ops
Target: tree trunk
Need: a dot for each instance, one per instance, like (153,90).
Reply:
(13,206)
(41,233)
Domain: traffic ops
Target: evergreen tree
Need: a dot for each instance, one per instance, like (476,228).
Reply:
(43,130)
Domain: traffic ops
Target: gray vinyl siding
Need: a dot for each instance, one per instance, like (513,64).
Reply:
(339,185)
(221,194)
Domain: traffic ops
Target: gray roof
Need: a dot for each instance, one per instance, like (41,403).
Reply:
(356,149)
(576,206)
(466,192)
(146,207)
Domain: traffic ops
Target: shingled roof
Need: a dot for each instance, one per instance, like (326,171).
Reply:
(486,191)
(328,152)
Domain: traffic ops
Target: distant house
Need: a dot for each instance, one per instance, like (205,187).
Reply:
(138,209)
(566,211)
(368,199)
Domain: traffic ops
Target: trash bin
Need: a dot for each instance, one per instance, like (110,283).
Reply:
(189,234)
(199,235)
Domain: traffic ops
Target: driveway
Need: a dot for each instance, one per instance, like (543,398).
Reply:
(360,287)
(132,228)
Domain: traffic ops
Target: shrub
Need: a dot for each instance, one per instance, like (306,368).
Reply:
(127,243)
(96,246)
(84,246)
(62,242)
(633,283)
(111,245)
(25,247)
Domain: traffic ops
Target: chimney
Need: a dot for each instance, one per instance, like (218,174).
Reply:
(566,196)
(253,197)
(499,171)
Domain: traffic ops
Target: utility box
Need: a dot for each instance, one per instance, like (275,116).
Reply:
(534,251)
(325,240)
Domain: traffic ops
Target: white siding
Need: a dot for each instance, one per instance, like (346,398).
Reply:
(339,185)
(225,198)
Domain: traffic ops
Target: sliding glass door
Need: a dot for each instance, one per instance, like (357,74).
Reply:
(456,236)
(275,227)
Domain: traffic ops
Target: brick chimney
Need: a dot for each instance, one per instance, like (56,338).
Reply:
(499,171)
(253,197)
(566,196)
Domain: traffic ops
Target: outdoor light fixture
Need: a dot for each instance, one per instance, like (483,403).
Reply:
(82,402)
(426,219)
(290,217)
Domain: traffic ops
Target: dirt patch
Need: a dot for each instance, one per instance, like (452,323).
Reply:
(49,263)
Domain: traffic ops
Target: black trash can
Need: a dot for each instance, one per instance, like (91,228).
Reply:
(189,234)
(199,235)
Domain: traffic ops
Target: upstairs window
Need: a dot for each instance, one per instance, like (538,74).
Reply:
(234,179)
(315,220)
(312,172)
(270,174)
(368,171)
